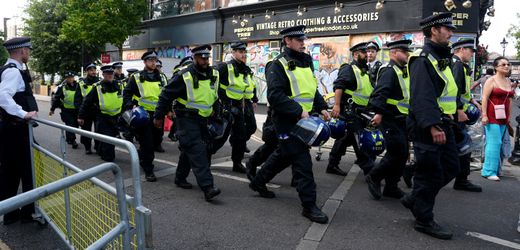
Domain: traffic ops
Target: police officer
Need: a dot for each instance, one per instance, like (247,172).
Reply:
(293,94)
(85,86)
(195,92)
(125,129)
(373,63)
(17,106)
(390,102)
(353,82)
(462,74)
(184,63)
(433,94)
(118,72)
(64,99)
(107,99)
(237,93)
(146,86)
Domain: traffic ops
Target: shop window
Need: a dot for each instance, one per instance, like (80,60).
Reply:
(165,8)
(233,3)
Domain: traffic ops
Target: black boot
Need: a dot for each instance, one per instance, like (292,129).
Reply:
(211,192)
(159,149)
(334,169)
(408,173)
(433,229)
(88,151)
(374,187)
(239,168)
(150,177)
(261,189)
(407,201)
(250,171)
(314,214)
(247,150)
(393,192)
(466,185)
(183,184)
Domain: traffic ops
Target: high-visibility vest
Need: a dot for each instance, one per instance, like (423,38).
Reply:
(201,98)
(149,92)
(110,103)
(85,88)
(466,97)
(240,87)
(364,88)
(404,82)
(68,97)
(448,100)
(303,84)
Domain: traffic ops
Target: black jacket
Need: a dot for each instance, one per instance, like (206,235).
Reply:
(57,98)
(91,101)
(131,88)
(425,87)
(240,68)
(347,80)
(387,87)
(286,112)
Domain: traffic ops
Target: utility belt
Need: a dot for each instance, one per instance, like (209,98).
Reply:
(189,113)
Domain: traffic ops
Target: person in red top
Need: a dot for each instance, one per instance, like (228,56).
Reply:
(496,111)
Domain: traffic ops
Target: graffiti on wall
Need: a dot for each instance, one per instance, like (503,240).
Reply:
(178,52)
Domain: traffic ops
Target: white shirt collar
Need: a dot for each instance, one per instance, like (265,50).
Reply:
(17,63)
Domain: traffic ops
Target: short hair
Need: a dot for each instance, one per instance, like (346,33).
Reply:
(495,62)
(428,31)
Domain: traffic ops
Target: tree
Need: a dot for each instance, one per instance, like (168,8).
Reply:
(514,32)
(103,21)
(49,54)
(3,51)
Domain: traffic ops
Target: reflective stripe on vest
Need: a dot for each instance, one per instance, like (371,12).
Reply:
(109,103)
(149,92)
(85,89)
(201,98)
(364,88)
(303,84)
(466,97)
(241,87)
(404,82)
(68,98)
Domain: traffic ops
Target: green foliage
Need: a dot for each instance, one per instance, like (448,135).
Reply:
(102,21)
(3,52)
(514,32)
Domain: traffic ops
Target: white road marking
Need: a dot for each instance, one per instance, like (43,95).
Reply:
(494,240)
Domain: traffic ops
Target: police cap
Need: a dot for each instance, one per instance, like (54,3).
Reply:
(238,46)
(117,64)
(373,45)
(69,73)
(359,47)
(295,31)
(443,19)
(203,51)
(18,42)
(403,44)
(148,55)
(465,43)
(90,65)
(159,63)
(131,71)
(107,69)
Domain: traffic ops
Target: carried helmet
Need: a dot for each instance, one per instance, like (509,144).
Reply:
(337,128)
(371,141)
(463,141)
(136,117)
(217,127)
(312,131)
(473,114)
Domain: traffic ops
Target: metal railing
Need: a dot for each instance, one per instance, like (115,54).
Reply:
(103,193)
(123,228)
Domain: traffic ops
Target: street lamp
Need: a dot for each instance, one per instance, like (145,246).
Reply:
(504,45)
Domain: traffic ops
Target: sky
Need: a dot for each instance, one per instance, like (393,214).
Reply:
(505,15)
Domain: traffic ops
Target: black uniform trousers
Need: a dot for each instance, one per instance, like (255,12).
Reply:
(292,151)
(393,162)
(15,165)
(87,125)
(107,125)
(464,160)
(70,118)
(436,165)
(363,160)
(148,137)
(270,145)
(244,125)
(192,132)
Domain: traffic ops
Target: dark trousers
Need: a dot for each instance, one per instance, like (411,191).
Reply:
(244,125)
(107,126)
(363,160)
(193,138)
(70,118)
(148,137)
(392,164)
(293,152)
(270,144)
(436,166)
(87,125)
(464,160)
(15,166)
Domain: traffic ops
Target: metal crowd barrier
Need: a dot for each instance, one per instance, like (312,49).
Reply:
(88,215)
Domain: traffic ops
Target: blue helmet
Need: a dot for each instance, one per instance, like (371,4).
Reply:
(337,128)
(473,114)
(371,141)
(463,141)
(138,117)
(312,131)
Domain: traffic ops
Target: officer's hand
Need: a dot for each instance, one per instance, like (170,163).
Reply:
(335,111)
(326,115)
(484,120)
(81,122)
(51,113)
(461,116)
(376,120)
(254,106)
(158,123)
(438,136)
(30,115)
(305,114)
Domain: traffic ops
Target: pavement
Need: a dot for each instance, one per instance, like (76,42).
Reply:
(240,219)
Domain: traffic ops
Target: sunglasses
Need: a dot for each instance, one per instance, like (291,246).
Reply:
(504,64)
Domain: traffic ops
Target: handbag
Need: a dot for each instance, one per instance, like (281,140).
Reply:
(500,110)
